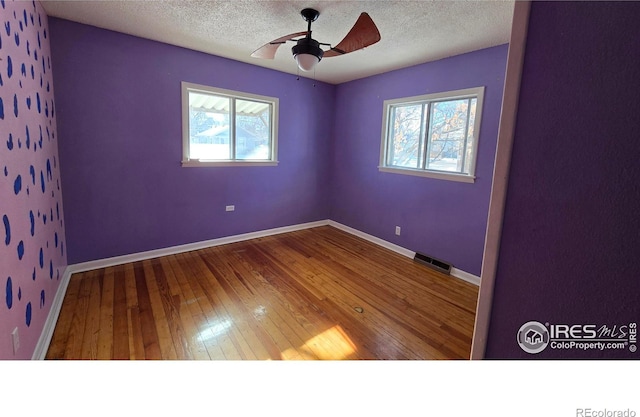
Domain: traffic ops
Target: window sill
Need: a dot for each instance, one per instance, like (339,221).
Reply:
(193,163)
(430,174)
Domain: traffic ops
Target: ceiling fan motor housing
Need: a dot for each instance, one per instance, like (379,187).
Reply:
(308,46)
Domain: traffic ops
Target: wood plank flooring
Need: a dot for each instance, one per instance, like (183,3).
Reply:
(314,294)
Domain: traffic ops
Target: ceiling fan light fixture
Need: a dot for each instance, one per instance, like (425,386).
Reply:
(307,53)
(307,62)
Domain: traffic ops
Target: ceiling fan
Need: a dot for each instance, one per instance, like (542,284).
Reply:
(307,51)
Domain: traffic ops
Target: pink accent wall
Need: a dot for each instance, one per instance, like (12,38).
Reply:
(32,238)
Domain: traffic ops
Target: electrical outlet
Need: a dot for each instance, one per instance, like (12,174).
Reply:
(230,208)
(397,230)
(15,338)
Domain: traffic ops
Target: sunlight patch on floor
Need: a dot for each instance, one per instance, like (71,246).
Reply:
(332,344)
(216,329)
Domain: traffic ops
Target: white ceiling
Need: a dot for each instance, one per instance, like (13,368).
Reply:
(412,32)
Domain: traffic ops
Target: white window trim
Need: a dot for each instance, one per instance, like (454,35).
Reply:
(186,87)
(442,175)
(439,175)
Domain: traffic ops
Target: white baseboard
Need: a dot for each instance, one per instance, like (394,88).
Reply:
(373,239)
(458,273)
(465,276)
(40,351)
(50,324)
(141,256)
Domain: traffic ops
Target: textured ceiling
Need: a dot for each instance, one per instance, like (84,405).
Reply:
(413,32)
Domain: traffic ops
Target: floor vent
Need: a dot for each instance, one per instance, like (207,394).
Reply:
(432,262)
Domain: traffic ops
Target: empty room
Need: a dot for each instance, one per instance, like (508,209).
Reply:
(283,234)
(291,180)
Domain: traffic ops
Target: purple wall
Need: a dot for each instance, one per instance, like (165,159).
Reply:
(119,118)
(32,238)
(444,219)
(570,248)
(120,122)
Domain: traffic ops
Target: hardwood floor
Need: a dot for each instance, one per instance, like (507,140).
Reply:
(319,293)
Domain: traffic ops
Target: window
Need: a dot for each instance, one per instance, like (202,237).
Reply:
(225,128)
(434,135)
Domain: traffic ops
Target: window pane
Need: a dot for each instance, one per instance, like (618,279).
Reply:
(404,131)
(470,142)
(209,132)
(253,130)
(447,133)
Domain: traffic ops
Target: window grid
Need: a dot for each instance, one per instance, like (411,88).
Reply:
(463,148)
(250,122)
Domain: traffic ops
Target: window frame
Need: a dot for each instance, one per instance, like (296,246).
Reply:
(187,87)
(476,92)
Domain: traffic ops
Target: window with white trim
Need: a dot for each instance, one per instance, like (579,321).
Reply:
(224,127)
(433,135)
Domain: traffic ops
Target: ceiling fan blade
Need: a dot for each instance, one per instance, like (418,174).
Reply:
(361,35)
(268,51)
